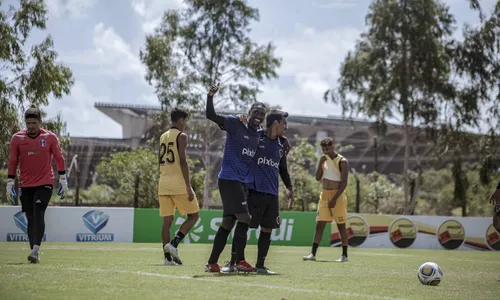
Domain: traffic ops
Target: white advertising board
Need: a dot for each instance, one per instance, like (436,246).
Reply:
(71,224)
(420,232)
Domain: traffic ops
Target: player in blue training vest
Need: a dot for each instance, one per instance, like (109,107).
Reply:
(268,163)
(241,143)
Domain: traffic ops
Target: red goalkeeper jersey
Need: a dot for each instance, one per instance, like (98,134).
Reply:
(34,157)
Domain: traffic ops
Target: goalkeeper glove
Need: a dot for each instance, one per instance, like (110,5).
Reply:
(63,187)
(11,191)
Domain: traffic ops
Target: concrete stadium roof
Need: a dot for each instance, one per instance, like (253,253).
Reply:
(141,111)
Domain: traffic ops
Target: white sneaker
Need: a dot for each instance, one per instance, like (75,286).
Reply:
(33,257)
(309,257)
(169,262)
(343,258)
(228,268)
(174,252)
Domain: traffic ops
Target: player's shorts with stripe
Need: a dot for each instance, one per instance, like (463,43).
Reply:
(168,204)
(264,209)
(338,213)
(33,196)
(234,196)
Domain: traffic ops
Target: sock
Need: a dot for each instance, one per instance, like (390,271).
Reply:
(39,230)
(31,230)
(36,248)
(240,240)
(219,244)
(315,248)
(233,254)
(263,248)
(177,239)
(344,251)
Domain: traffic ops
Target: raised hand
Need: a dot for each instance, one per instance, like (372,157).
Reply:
(214,89)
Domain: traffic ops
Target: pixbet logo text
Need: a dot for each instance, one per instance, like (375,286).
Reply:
(248,152)
(267,161)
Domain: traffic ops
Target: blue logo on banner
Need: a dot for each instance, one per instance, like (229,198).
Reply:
(21,223)
(95,221)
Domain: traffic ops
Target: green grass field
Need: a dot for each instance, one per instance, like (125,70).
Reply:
(136,271)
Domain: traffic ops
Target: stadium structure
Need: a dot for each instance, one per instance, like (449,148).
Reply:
(136,124)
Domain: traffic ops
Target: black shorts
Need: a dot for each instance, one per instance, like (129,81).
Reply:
(234,196)
(31,196)
(264,209)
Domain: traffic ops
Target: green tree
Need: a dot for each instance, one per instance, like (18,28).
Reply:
(301,159)
(120,171)
(400,68)
(26,78)
(205,43)
(476,64)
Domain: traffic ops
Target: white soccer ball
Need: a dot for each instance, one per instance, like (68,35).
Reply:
(430,273)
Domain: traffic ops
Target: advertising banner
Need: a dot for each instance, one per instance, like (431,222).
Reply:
(71,224)
(296,228)
(419,232)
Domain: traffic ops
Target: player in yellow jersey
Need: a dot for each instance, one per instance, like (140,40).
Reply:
(333,170)
(174,187)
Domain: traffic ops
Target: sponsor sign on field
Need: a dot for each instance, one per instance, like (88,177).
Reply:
(71,224)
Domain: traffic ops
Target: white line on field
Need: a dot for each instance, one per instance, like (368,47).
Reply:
(187,277)
(155,249)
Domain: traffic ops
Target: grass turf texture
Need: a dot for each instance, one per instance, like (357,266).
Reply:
(136,271)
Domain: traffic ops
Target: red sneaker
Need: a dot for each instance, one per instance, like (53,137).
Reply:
(212,268)
(243,266)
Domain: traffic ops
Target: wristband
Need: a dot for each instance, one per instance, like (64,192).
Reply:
(63,172)
(11,176)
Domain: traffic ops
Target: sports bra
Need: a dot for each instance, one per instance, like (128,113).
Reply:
(331,168)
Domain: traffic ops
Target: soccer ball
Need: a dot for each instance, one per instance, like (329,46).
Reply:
(430,273)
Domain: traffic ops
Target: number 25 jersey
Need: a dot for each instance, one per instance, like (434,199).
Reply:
(171,179)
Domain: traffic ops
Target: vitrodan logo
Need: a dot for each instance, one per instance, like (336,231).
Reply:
(95,221)
(267,161)
(194,234)
(22,224)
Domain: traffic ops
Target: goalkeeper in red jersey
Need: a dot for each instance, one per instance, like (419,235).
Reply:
(32,150)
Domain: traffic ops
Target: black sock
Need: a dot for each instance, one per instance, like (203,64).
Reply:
(177,239)
(219,244)
(315,248)
(31,230)
(344,251)
(240,240)
(263,248)
(233,254)
(40,227)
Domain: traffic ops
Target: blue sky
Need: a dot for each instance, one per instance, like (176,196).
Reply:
(100,42)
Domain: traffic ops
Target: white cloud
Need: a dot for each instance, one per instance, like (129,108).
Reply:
(75,9)
(337,3)
(312,58)
(150,12)
(82,118)
(111,55)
